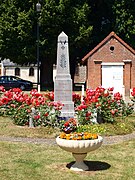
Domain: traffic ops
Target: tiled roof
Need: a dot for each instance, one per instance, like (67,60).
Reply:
(112,34)
(8,63)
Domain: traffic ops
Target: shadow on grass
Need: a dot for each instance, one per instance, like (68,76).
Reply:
(93,165)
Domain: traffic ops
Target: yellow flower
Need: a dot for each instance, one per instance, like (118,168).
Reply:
(78,136)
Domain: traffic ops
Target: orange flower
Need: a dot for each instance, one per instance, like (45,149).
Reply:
(78,136)
(94,136)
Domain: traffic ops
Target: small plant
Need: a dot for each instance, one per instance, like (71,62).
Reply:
(69,126)
(47,114)
(84,113)
(76,99)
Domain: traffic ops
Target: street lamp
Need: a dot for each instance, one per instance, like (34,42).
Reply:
(38,9)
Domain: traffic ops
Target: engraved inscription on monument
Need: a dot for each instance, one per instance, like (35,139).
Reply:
(63,61)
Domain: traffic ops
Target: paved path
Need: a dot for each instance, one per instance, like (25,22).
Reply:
(107,140)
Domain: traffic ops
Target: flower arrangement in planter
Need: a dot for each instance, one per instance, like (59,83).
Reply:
(78,136)
(79,143)
(70,131)
(69,126)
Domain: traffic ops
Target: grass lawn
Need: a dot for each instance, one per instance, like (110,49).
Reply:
(7,128)
(27,161)
(22,161)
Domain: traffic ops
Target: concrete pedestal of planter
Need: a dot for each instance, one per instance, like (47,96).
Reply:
(79,149)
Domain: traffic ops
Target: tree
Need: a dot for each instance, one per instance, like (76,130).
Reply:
(102,19)
(18,30)
(70,17)
(86,22)
(124,20)
(113,15)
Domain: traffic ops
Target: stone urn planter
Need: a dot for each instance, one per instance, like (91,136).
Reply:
(79,150)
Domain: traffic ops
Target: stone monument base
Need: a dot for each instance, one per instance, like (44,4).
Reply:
(68,109)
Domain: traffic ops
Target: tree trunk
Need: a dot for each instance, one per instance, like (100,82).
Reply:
(46,75)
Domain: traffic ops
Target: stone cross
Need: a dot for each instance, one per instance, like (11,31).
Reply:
(63,81)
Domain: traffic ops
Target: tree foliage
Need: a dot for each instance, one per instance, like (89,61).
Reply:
(18,27)
(124,20)
(113,15)
(86,22)
(16,30)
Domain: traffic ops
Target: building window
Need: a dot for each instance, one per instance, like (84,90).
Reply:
(17,71)
(112,48)
(31,71)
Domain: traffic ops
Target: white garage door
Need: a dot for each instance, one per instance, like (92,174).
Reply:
(112,76)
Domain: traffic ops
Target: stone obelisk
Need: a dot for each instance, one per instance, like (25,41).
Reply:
(63,81)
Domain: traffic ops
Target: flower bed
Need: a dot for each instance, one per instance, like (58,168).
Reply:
(18,105)
(105,103)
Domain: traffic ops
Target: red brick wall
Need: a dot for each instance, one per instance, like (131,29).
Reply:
(80,74)
(105,54)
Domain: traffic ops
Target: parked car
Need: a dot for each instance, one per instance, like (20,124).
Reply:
(14,82)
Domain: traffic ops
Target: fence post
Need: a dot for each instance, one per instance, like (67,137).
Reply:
(82,93)
(31,117)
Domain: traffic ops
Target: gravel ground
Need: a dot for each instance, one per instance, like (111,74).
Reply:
(106,140)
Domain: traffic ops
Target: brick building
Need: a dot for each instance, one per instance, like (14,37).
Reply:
(111,64)
(79,77)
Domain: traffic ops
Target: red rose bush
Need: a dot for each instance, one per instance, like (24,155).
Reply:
(103,102)
(99,102)
(18,105)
